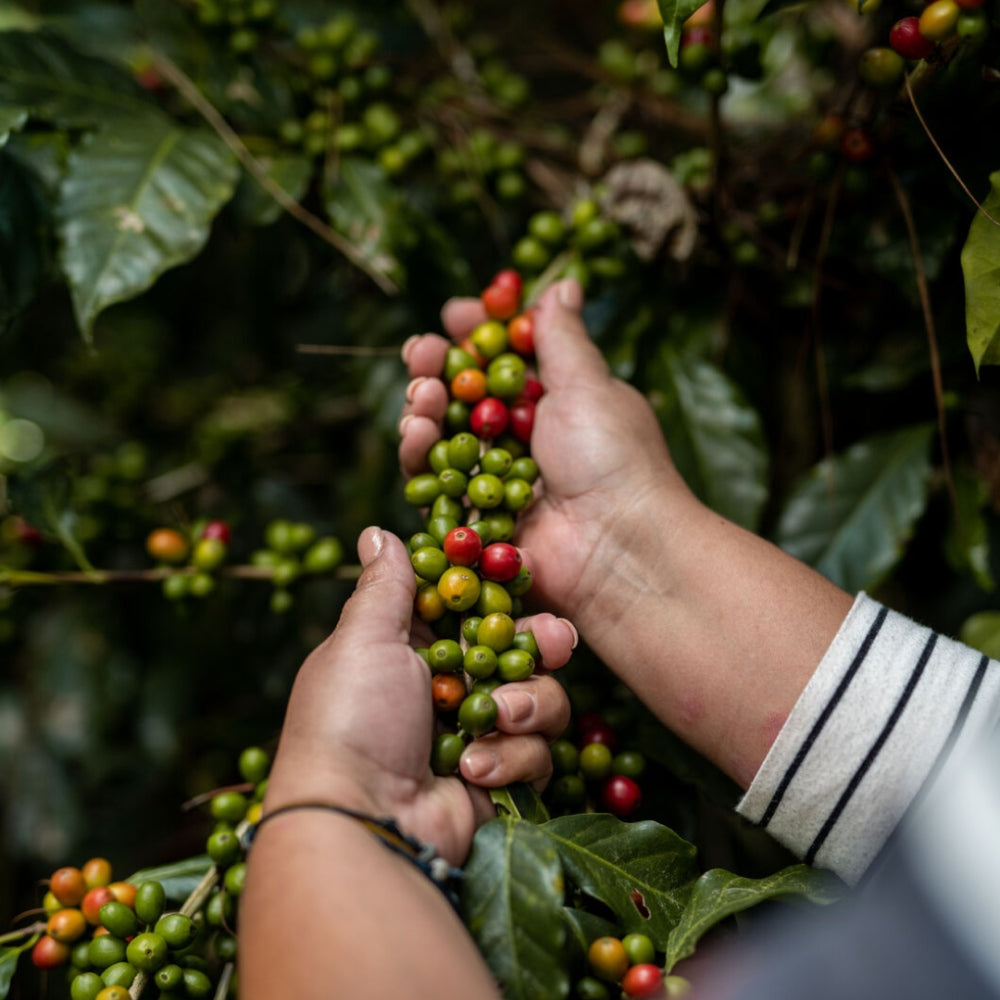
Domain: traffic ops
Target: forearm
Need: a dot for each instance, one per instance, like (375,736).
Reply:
(361,921)
(716,629)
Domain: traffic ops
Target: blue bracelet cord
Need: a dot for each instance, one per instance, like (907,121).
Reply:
(444,875)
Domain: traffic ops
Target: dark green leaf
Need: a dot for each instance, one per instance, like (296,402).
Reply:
(718,894)
(674,14)
(291,173)
(12,119)
(982,631)
(42,72)
(640,870)
(585,927)
(512,901)
(981,268)
(179,878)
(522,801)
(25,238)
(967,543)
(715,437)
(8,963)
(362,206)
(137,201)
(852,515)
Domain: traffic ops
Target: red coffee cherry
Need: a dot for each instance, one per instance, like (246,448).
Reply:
(643,980)
(621,796)
(489,418)
(500,561)
(905,38)
(462,546)
(522,419)
(501,301)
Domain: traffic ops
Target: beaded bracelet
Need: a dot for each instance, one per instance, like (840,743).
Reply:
(444,875)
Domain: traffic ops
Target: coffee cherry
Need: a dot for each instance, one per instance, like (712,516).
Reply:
(501,301)
(254,764)
(639,948)
(429,563)
(177,929)
(105,950)
(167,546)
(515,665)
(937,20)
(490,339)
(500,561)
(147,951)
(521,418)
(323,556)
(48,953)
(150,898)
(488,418)
(477,714)
(422,490)
(607,958)
(230,807)
(118,918)
(462,547)
(458,360)
(96,871)
(92,902)
(469,385)
(223,847)
(621,796)
(494,597)
(459,588)
(66,925)
(68,885)
(197,984)
(595,761)
(446,751)
(521,333)
(445,656)
(881,67)
(496,631)
(643,980)
(906,39)
(218,530)
(589,988)
(463,451)
(447,691)
(168,978)
(856,144)
(506,376)
(234,881)
(480,662)
(85,986)
(113,992)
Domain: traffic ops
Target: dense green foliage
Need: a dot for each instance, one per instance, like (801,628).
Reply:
(220,221)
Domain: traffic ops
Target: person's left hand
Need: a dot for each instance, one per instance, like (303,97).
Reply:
(359,723)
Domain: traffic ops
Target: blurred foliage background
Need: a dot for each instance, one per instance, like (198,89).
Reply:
(177,345)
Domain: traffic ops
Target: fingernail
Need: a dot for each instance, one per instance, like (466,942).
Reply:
(403,421)
(572,631)
(570,294)
(413,386)
(519,704)
(476,764)
(404,351)
(370,546)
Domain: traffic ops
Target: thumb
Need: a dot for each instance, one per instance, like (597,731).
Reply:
(563,349)
(381,607)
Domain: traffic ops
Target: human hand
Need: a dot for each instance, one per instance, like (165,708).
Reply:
(607,475)
(359,724)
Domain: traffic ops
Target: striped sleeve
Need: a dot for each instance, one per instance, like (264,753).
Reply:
(890,702)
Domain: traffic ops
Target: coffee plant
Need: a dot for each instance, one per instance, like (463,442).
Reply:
(220,221)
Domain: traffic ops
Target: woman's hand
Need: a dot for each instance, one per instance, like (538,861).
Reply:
(359,724)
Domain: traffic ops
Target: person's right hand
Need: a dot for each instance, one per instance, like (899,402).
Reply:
(606,472)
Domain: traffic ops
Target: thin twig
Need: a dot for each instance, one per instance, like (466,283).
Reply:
(100,577)
(930,135)
(352,350)
(925,305)
(170,71)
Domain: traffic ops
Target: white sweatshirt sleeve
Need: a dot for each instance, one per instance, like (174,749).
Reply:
(888,705)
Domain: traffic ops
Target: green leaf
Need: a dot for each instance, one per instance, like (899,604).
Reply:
(718,894)
(674,14)
(40,71)
(641,871)
(25,238)
(982,631)
(967,542)
(852,515)
(520,801)
(715,437)
(8,962)
(362,204)
(512,902)
(137,201)
(179,878)
(290,172)
(12,119)
(981,268)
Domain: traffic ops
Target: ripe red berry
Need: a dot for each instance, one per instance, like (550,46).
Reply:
(857,145)
(905,38)
(218,530)
(697,34)
(508,278)
(462,546)
(48,953)
(599,732)
(643,980)
(501,301)
(93,901)
(489,418)
(521,330)
(620,795)
(500,561)
(522,419)
(533,389)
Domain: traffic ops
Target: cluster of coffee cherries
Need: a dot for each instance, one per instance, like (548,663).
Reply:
(590,770)
(470,575)
(590,246)
(627,965)
(291,549)
(106,933)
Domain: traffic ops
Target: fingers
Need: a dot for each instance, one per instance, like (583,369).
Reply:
(416,435)
(537,705)
(556,638)
(461,316)
(424,354)
(381,606)
(566,355)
